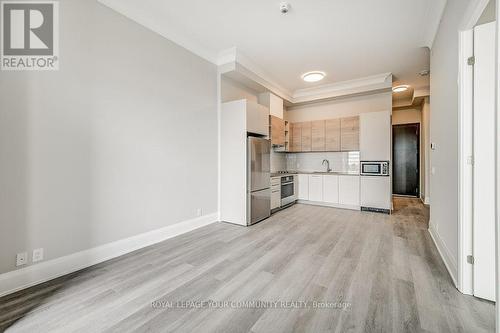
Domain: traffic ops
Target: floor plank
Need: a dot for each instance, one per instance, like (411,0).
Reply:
(368,273)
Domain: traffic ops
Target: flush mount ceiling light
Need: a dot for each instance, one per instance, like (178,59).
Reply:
(313,76)
(401,88)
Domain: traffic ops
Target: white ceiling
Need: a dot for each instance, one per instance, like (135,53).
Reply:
(346,39)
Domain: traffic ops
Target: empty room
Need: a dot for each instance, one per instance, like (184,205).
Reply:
(249,166)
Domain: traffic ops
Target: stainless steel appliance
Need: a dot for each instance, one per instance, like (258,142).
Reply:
(288,189)
(375,168)
(258,179)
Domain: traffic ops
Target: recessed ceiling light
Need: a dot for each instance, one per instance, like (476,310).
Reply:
(401,88)
(313,76)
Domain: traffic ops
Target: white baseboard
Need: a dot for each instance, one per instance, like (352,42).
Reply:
(449,261)
(326,204)
(32,275)
(427,201)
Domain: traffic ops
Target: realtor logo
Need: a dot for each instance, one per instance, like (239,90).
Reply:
(29,35)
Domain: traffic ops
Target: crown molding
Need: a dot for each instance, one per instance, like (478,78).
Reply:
(227,56)
(232,63)
(473,13)
(351,87)
(134,11)
(236,65)
(433,16)
(422,92)
(416,99)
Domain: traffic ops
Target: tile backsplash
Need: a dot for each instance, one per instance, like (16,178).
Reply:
(308,162)
(278,161)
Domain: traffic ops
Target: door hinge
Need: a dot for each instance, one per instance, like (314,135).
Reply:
(471,61)
(470,260)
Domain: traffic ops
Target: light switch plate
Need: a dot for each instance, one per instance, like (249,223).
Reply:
(37,254)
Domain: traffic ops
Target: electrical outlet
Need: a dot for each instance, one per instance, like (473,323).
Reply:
(199,212)
(37,255)
(21,259)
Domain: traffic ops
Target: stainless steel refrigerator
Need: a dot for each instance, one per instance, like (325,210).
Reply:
(258,179)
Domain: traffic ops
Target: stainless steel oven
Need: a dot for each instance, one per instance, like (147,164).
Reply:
(375,168)
(287,190)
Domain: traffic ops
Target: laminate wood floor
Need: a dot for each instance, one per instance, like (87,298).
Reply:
(366,272)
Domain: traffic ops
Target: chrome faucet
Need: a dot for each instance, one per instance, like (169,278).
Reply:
(327,165)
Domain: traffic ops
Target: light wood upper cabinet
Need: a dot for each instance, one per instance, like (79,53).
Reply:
(318,135)
(340,134)
(332,135)
(277,131)
(349,131)
(306,136)
(296,137)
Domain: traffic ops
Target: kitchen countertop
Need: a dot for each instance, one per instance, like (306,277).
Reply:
(338,173)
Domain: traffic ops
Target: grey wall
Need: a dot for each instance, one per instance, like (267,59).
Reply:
(444,128)
(122,140)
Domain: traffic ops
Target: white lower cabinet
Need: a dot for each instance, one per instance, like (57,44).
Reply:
(375,192)
(315,188)
(331,189)
(349,190)
(275,192)
(275,199)
(303,187)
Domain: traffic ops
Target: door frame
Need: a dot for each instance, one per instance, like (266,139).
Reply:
(418,158)
(464,281)
(497,113)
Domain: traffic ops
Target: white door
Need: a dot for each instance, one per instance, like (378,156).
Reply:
(484,162)
(331,189)
(316,188)
(303,187)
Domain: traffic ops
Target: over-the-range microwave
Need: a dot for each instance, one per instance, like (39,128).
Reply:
(375,168)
